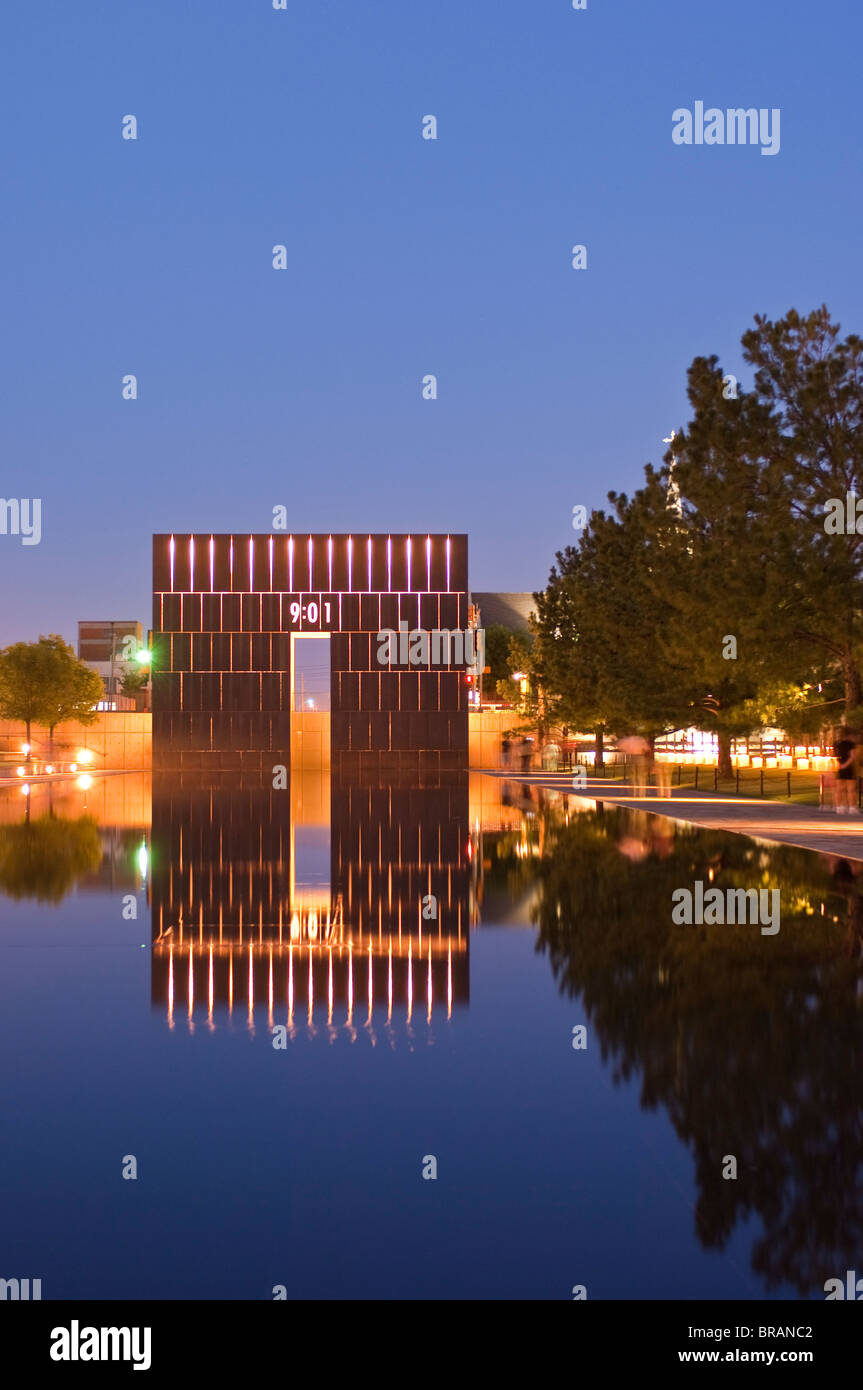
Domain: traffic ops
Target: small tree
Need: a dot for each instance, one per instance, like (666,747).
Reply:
(24,680)
(73,689)
(44,683)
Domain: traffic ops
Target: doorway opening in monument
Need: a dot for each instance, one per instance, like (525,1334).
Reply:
(310,688)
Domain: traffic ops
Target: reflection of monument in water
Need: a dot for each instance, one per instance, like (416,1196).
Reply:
(331,902)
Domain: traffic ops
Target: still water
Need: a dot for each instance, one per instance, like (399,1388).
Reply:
(420,958)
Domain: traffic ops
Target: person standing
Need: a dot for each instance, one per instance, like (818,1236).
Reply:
(845,753)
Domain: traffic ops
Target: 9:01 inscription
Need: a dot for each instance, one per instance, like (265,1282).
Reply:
(310,613)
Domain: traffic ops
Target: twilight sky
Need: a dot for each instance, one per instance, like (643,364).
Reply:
(405,257)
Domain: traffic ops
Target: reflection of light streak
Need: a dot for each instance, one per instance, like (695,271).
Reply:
(231,983)
(430,986)
(390,983)
(295,927)
(290,984)
(210,985)
(251,986)
(330,989)
(410,981)
(191,981)
(449,982)
(270,991)
(371,985)
(313,926)
(350,982)
(171,985)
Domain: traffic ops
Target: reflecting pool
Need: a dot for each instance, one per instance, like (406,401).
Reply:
(283,1003)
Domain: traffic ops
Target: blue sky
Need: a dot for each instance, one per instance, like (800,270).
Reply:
(405,257)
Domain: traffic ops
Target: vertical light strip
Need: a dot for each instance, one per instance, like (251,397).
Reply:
(291,564)
(389,565)
(408,549)
(311,543)
(212,565)
(171,561)
(270,548)
(369,560)
(191,564)
(330,562)
(428,563)
(231,563)
(350,563)
(251,564)
(448,547)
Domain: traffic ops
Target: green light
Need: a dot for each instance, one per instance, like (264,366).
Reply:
(144,657)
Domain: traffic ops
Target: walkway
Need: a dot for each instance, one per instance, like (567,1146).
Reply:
(807,827)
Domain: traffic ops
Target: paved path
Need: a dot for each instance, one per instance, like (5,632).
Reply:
(807,827)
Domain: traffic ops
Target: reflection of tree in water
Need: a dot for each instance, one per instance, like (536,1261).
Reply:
(44,858)
(751,1042)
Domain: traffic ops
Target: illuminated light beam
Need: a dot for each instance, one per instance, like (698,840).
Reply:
(230,981)
(311,988)
(251,986)
(369,560)
(449,981)
(408,559)
(191,981)
(171,549)
(330,989)
(191,564)
(430,986)
(210,986)
(270,549)
(251,563)
(231,562)
(171,984)
(428,564)
(291,564)
(311,564)
(389,564)
(350,982)
(291,985)
(448,551)
(270,989)
(330,563)
(212,565)
(390,982)
(371,983)
(350,563)
(410,981)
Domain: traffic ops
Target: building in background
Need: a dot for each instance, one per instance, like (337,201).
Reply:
(110,646)
(505,610)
